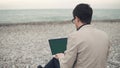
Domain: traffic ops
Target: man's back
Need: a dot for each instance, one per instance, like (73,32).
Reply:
(89,50)
(92,53)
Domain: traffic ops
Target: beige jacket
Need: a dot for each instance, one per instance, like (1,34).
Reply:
(86,48)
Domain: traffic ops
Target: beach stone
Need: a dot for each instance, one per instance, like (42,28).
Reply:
(117,57)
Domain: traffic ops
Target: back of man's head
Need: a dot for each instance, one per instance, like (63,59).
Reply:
(83,12)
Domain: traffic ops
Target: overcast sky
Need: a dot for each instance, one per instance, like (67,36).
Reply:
(57,4)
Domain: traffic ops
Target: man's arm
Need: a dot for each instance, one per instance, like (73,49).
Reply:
(68,58)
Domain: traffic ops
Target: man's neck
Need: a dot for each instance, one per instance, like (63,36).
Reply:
(80,25)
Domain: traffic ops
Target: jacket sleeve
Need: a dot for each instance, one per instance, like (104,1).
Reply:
(70,54)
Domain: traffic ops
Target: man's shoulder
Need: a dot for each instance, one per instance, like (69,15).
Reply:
(87,30)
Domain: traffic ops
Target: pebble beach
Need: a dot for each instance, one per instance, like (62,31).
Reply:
(26,45)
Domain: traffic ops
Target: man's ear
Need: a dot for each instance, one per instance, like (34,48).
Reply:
(77,19)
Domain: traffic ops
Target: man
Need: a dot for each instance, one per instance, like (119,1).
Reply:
(87,47)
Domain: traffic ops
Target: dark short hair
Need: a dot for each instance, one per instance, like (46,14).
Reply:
(83,12)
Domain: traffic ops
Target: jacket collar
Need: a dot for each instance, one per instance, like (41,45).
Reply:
(84,26)
(81,26)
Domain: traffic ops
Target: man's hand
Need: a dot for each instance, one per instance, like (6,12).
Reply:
(59,55)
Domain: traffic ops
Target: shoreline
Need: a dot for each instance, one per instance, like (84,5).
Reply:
(56,22)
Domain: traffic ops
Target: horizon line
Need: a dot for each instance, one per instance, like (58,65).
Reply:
(50,8)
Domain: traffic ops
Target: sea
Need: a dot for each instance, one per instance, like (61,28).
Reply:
(51,15)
